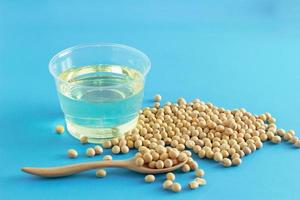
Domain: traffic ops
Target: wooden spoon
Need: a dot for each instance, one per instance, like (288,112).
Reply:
(77,168)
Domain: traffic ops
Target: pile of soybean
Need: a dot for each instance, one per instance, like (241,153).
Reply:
(164,132)
(212,132)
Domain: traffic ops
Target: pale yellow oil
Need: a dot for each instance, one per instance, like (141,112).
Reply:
(100,101)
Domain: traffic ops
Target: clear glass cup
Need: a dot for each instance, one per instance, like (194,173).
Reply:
(100,88)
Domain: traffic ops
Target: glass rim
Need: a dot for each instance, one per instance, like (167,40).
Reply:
(80,46)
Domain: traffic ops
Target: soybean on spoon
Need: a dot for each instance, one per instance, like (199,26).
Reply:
(67,170)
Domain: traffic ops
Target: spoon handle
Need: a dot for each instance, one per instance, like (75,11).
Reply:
(73,169)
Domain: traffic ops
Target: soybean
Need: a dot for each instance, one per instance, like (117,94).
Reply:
(170,176)
(101,173)
(149,178)
(157,98)
(167,184)
(72,153)
(98,149)
(193,185)
(199,172)
(59,129)
(107,157)
(176,187)
(90,152)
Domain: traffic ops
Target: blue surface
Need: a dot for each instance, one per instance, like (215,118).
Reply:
(232,53)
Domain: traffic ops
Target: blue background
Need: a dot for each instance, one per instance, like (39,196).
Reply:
(232,53)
